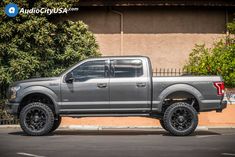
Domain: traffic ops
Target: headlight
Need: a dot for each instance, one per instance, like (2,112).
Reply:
(13,92)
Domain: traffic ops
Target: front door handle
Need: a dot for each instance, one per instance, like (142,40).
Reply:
(101,85)
(140,84)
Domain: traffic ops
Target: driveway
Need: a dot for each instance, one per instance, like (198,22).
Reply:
(117,143)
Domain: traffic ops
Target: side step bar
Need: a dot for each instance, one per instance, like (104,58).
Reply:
(104,115)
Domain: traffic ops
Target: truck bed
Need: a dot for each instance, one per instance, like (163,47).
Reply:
(201,87)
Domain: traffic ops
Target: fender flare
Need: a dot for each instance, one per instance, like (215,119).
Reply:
(41,90)
(180,88)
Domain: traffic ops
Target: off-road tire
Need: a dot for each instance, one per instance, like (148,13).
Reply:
(178,112)
(56,124)
(162,124)
(27,115)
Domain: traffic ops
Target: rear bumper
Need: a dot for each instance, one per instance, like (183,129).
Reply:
(12,108)
(223,105)
(212,105)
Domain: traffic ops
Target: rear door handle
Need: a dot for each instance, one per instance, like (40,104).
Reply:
(140,84)
(101,85)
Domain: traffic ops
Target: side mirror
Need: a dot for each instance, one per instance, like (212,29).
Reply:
(69,78)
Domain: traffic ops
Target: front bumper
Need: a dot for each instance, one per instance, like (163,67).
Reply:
(223,105)
(12,108)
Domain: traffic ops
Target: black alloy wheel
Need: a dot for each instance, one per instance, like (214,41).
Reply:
(36,119)
(180,119)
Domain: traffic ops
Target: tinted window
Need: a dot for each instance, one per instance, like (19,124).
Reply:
(89,70)
(127,68)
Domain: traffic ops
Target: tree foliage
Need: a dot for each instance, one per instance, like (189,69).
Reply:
(218,60)
(32,45)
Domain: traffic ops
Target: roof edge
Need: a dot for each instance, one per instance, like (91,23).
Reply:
(203,3)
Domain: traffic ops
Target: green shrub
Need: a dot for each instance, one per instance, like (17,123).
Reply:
(218,60)
(32,45)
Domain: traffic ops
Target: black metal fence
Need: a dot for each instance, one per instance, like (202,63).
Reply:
(172,72)
(6,119)
(230,95)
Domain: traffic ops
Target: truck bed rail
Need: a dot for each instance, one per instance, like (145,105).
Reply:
(173,72)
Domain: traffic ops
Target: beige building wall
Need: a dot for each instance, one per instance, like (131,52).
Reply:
(164,50)
(166,35)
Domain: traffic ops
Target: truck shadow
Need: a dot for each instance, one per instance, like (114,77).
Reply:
(115,133)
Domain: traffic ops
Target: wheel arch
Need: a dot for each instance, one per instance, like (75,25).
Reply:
(40,92)
(180,91)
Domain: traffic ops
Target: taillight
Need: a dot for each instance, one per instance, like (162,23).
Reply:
(220,87)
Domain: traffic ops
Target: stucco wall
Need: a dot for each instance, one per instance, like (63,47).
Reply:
(151,20)
(165,50)
(166,35)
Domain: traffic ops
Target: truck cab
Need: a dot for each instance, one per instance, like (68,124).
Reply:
(116,85)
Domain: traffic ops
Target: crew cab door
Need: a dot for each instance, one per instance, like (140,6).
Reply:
(89,90)
(129,86)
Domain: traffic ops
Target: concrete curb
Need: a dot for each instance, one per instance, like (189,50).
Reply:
(79,127)
(91,127)
(9,126)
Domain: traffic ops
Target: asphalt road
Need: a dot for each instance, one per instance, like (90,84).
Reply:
(118,143)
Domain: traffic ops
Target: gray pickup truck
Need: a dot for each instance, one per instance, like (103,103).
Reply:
(114,86)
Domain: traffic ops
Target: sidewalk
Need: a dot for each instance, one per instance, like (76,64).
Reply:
(207,120)
(212,119)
